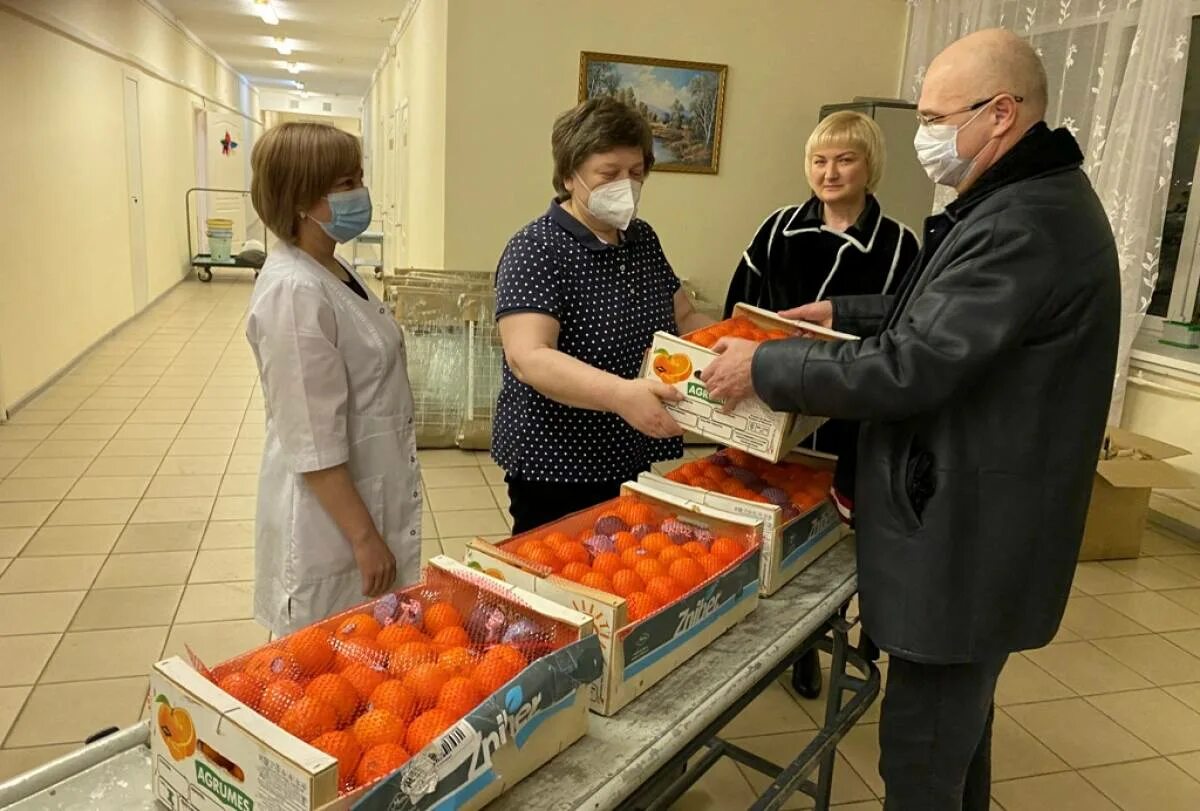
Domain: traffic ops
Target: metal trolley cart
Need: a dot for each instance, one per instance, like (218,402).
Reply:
(203,262)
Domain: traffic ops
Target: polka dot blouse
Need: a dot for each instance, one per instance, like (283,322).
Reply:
(609,301)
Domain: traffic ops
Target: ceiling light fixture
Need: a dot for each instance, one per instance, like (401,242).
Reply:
(298,85)
(283,46)
(293,68)
(266,12)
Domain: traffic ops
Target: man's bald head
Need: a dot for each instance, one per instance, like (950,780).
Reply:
(985,63)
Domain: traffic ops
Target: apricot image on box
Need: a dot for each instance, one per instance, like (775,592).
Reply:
(672,368)
(177,730)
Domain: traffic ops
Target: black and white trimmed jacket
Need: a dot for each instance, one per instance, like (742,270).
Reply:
(796,259)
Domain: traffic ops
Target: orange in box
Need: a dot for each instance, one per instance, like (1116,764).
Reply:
(316,719)
(651,610)
(751,426)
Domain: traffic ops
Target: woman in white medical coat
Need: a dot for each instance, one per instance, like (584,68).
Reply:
(339,501)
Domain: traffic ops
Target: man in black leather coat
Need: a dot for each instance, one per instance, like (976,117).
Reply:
(983,386)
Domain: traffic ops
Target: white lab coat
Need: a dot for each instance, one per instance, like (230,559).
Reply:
(333,374)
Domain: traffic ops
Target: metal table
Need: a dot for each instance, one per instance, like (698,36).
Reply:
(633,760)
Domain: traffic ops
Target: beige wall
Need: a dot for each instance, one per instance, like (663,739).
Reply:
(514,66)
(350,125)
(65,278)
(409,181)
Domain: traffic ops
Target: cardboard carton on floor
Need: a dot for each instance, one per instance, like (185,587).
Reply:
(788,546)
(752,426)
(1130,466)
(638,655)
(234,758)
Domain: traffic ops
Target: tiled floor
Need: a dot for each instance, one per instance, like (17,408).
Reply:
(126,503)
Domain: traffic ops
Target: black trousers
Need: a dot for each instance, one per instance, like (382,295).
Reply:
(935,735)
(535,504)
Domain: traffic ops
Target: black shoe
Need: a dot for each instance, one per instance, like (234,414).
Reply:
(806,675)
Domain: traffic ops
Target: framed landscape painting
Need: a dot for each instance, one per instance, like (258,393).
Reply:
(684,102)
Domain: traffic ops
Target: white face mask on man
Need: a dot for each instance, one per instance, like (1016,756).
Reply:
(937,150)
(614,204)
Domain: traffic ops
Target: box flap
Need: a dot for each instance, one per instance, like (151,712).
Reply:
(1122,438)
(815,329)
(1142,473)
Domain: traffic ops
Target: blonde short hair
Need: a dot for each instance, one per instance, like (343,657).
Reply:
(294,165)
(856,131)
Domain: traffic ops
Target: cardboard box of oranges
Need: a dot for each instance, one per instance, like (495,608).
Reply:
(752,426)
(799,521)
(661,577)
(440,695)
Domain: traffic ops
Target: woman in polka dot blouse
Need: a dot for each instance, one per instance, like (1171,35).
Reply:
(580,292)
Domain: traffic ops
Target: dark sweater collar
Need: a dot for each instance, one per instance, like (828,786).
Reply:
(812,215)
(1041,151)
(564,220)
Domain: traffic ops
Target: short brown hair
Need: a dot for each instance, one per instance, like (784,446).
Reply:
(294,165)
(596,125)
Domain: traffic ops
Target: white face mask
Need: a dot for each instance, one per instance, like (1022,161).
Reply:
(614,203)
(937,150)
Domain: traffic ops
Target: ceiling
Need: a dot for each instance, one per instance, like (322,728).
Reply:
(337,43)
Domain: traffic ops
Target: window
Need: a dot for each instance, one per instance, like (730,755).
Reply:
(1175,293)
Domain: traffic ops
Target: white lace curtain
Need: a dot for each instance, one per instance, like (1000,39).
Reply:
(1116,71)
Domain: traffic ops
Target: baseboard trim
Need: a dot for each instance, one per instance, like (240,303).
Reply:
(6,412)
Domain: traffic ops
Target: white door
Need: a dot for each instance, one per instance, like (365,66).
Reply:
(137,217)
(401,178)
(200,199)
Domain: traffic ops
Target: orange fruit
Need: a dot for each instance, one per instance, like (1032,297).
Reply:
(670,555)
(544,556)
(596,580)
(459,696)
(277,697)
(309,719)
(527,548)
(358,626)
(649,569)
(572,552)
(639,605)
(727,549)
(311,650)
(626,582)
(656,542)
(378,762)
(454,636)
(459,661)
(427,727)
(271,664)
(379,726)
(410,655)
(332,689)
(608,564)
(397,699)
(664,589)
(344,747)
(393,636)
(358,651)
(630,557)
(426,682)
(440,616)
(688,573)
(575,571)
(363,679)
(244,687)
(554,539)
(498,667)
(633,512)
(626,540)
(712,564)
(694,549)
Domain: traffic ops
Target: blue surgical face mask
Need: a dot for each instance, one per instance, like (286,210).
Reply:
(350,212)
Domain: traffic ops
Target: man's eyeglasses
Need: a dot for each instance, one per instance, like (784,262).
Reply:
(933,119)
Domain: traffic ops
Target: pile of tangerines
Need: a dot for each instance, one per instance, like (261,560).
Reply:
(740,327)
(634,551)
(371,695)
(794,487)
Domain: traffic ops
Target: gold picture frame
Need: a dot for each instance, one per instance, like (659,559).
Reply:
(684,102)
